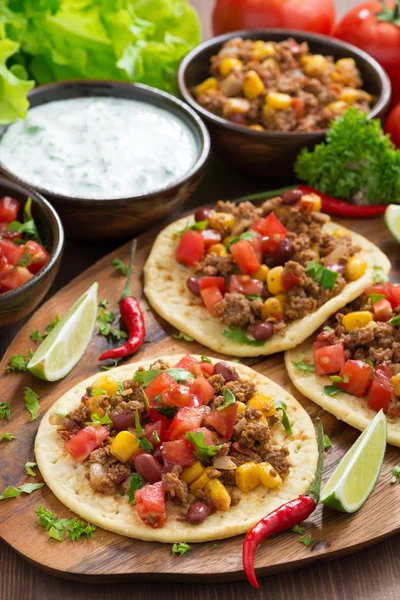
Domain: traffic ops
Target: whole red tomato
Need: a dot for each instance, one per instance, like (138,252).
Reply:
(308,15)
(363,26)
(392,125)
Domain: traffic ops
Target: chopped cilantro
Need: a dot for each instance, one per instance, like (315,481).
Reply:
(96,420)
(13,492)
(206,359)
(376,297)
(236,334)
(280,405)
(96,391)
(201,451)
(395,321)
(56,527)
(120,266)
(16,363)
(327,442)
(51,325)
(144,443)
(199,226)
(29,466)
(5,411)
(327,328)
(214,546)
(7,436)
(254,297)
(331,390)
(112,366)
(183,336)
(379,275)
(146,377)
(36,336)
(395,474)
(298,529)
(307,540)
(167,411)
(146,400)
(325,277)
(136,482)
(229,399)
(247,235)
(180,548)
(104,318)
(302,365)
(156,437)
(103,303)
(32,403)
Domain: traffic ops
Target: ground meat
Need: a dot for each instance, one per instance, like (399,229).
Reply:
(159,365)
(205,498)
(213,473)
(278,458)
(175,488)
(218,401)
(255,436)
(379,342)
(234,309)
(101,455)
(235,498)
(214,265)
(242,390)
(239,458)
(252,413)
(298,304)
(80,415)
(118,473)
(224,451)
(228,477)
(217,381)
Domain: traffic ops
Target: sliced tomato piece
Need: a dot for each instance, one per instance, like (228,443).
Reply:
(162,382)
(11,251)
(208,438)
(189,363)
(178,452)
(202,389)
(245,285)
(269,244)
(179,395)
(190,248)
(257,245)
(10,235)
(329,359)
(382,310)
(223,421)
(211,236)
(5,265)
(358,374)
(207,282)
(9,208)
(245,256)
(150,504)
(39,256)
(389,290)
(320,344)
(159,427)
(85,441)
(380,393)
(270,226)
(185,420)
(16,277)
(186,362)
(289,279)
(298,106)
(211,296)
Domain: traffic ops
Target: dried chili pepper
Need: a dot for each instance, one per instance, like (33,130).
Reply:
(132,316)
(285,517)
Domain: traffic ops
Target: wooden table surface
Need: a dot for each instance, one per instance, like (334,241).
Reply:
(370,574)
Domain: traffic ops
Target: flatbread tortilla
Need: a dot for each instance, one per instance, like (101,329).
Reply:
(348,408)
(166,291)
(66,477)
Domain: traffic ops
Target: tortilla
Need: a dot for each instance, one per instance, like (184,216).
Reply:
(166,291)
(66,477)
(348,408)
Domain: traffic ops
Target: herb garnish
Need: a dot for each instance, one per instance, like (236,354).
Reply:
(199,226)
(36,336)
(7,436)
(206,359)
(254,297)
(120,266)
(237,335)
(331,390)
(280,405)
(28,227)
(96,391)
(321,274)
(183,336)
(298,529)
(156,437)
(180,548)
(112,366)
(32,403)
(5,411)
(395,321)
(327,442)
(201,451)
(167,411)
(143,442)
(229,399)
(96,420)
(51,325)
(247,235)
(56,527)
(104,318)
(307,540)
(376,297)
(146,377)
(29,466)
(136,482)
(302,365)
(18,363)
(13,492)
(378,274)
(395,474)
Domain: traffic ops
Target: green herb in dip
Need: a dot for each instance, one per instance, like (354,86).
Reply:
(99,147)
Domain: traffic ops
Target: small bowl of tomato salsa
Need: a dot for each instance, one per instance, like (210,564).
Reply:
(31,245)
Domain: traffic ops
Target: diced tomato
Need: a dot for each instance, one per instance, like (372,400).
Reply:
(16,277)
(269,244)
(150,504)
(298,106)
(202,389)
(159,427)
(39,255)
(85,441)
(382,310)
(162,382)
(10,235)
(245,256)
(211,296)
(319,344)
(207,282)
(9,208)
(208,438)
(178,452)
(383,371)
(185,420)
(190,248)
(381,392)
(270,226)
(5,265)
(179,395)
(189,363)
(289,279)
(389,290)
(11,251)
(223,421)
(211,236)
(257,245)
(245,285)
(358,374)
(186,362)
(329,359)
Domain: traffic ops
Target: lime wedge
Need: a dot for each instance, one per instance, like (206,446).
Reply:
(392,219)
(355,476)
(65,345)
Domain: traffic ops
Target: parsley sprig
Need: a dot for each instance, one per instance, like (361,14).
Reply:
(120,266)
(7,436)
(5,411)
(104,320)
(201,451)
(56,527)
(180,548)
(18,363)
(32,403)
(281,405)
(229,399)
(13,492)
(300,364)
(325,277)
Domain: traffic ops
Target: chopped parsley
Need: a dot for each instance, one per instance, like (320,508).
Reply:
(143,442)
(339,379)
(5,411)
(96,420)
(183,336)
(156,437)
(378,274)
(206,359)
(395,474)
(331,390)
(327,442)
(255,297)
(307,540)
(104,318)
(236,334)
(201,451)
(376,297)
(13,492)
(146,400)
(32,403)
(198,226)
(280,405)
(36,336)
(120,266)
(7,436)
(146,377)
(325,277)
(302,365)
(180,548)
(136,482)
(229,399)
(56,528)
(18,363)
(112,366)
(298,529)
(247,235)
(395,321)
(103,303)
(96,391)
(167,411)
(29,466)
(51,325)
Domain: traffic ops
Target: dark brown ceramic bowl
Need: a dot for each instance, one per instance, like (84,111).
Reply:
(18,303)
(100,219)
(272,153)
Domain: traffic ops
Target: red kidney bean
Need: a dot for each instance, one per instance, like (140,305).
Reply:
(263,331)
(148,467)
(238,119)
(123,420)
(283,252)
(197,513)
(337,268)
(193,285)
(202,214)
(291,196)
(158,455)
(227,372)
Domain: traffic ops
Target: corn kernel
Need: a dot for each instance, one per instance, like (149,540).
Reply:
(356,319)
(348,95)
(268,476)
(246,477)
(261,274)
(256,127)
(267,111)
(228,64)
(205,86)
(344,71)
(252,85)
(282,298)
(235,106)
(395,380)
(346,63)
(200,482)
(241,407)
(218,249)
(278,101)
(262,50)
(355,268)
(219,494)
(271,308)
(337,107)
(264,403)
(124,445)
(106,383)
(221,221)
(192,473)
(316,65)
(310,202)
(226,240)
(92,404)
(342,232)
(274,280)
(271,64)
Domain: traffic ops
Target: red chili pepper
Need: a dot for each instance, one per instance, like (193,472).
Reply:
(286,516)
(132,316)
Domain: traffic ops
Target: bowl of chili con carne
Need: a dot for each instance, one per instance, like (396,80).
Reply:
(246,143)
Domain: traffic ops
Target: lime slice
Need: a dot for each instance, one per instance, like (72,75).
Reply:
(65,345)
(355,476)
(392,219)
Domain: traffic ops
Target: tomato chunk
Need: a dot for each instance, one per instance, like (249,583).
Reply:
(11,251)
(38,255)
(289,279)
(211,296)
(162,382)
(16,277)
(211,236)
(245,256)
(150,504)
(245,285)
(381,391)
(223,421)
(329,359)
(358,374)
(186,362)
(207,282)
(178,452)
(190,248)
(189,363)
(389,290)
(186,419)
(270,226)
(208,438)
(382,310)
(179,395)
(159,427)
(202,389)
(9,208)
(85,441)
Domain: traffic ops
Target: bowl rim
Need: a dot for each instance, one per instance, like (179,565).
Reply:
(381,104)
(57,232)
(167,99)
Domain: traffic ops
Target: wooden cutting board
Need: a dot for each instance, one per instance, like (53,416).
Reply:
(111,557)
